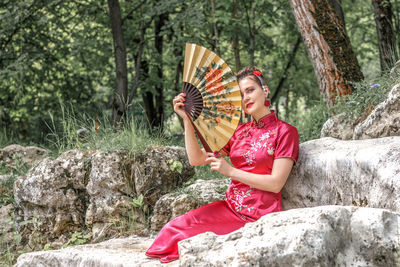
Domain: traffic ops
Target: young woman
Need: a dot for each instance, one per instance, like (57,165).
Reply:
(262,153)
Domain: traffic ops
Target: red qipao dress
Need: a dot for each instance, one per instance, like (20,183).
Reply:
(253,148)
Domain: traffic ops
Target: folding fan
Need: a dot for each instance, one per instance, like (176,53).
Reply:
(213,99)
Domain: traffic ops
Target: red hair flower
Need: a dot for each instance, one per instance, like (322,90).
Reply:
(256,72)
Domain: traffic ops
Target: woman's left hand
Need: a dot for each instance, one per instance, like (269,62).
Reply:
(218,164)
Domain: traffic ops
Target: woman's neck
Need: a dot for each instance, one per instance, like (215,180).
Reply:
(257,116)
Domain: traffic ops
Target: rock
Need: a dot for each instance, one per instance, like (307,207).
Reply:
(54,194)
(116,252)
(159,170)
(339,126)
(6,219)
(97,191)
(384,120)
(7,230)
(200,193)
(110,191)
(395,71)
(17,156)
(355,172)
(321,236)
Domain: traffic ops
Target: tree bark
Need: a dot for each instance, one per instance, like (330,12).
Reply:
(337,6)
(216,35)
(328,47)
(291,58)
(121,88)
(235,40)
(251,26)
(386,37)
(159,97)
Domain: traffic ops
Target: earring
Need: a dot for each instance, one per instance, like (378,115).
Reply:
(245,115)
(267,102)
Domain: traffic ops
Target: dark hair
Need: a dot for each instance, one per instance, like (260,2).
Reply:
(248,72)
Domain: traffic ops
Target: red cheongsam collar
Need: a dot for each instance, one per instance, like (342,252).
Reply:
(267,119)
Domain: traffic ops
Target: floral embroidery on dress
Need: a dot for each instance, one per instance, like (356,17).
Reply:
(237,199)
(262,142)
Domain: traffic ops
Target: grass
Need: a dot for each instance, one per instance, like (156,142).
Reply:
(357,106)
(79,131)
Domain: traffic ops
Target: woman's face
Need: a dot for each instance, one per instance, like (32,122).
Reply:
(253,97)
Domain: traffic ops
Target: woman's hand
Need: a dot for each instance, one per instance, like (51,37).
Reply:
(219,164)
(179,102)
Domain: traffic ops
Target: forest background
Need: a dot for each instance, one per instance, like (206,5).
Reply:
(108,66)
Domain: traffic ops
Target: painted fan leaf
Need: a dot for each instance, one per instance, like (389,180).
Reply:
(213,97)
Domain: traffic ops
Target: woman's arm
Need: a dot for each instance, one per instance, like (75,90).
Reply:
(196,155)
(268,182)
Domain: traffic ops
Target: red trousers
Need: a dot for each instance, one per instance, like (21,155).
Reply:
(216,217)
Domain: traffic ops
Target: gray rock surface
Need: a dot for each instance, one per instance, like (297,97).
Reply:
(123,252)
(200,193)
(17,155)
(355,172)
(6,224)
(110,192)
(96,190)
(339,126)
(321,236)
(158,170)
(53,192)
(384,120)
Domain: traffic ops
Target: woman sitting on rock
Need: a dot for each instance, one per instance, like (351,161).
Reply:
(262,153)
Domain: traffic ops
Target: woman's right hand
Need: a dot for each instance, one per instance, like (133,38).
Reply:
(179,102)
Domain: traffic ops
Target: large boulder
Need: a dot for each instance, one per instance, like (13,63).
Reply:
(18,156)
(321,236)
(384,120)
(355,172)
(174,204)
(122,252)
(96,191)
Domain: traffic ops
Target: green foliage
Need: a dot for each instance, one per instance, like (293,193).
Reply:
(175,165)
(367,95)
(138,202)
(77,238)
(11,173)
(79,131)
(309,119)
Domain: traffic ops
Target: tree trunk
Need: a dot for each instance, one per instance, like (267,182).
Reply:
(386,36)
(250,23)
(216,35)
(291,58)
(328,47)
(337,6)
(121,89)
(159,97)
(235,41)
(147,97)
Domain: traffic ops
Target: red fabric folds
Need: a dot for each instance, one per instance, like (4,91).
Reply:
(216,217)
